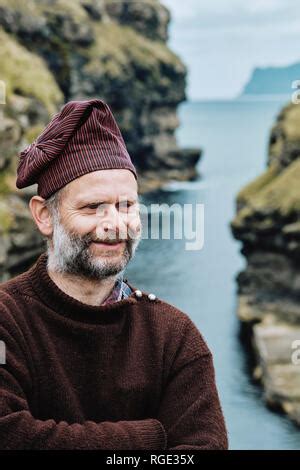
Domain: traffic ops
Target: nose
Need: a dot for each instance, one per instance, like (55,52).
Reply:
(109,222)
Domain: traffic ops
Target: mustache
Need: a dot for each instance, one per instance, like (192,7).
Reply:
(129,237)
(88,239)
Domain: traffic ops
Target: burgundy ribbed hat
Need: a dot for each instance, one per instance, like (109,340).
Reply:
(81,138)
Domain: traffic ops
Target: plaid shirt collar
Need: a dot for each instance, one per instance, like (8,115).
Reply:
(120,291)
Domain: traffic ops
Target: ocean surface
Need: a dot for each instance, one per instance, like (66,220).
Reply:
(234,138)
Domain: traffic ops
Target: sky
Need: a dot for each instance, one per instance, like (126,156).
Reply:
(222,41)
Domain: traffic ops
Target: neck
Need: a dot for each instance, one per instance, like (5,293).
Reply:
(91,292)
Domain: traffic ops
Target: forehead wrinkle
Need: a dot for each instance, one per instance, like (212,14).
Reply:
(104,197)
(89,191)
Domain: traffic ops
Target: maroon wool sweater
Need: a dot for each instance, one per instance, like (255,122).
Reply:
(134,374)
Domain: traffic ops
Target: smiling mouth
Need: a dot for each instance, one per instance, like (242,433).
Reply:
(109,245)
(107,242)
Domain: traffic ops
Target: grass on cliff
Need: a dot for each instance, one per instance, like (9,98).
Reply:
(36,8)
(27,74)
(285,133)
(71,8)
(28,7)
(252,189)
(283,192)
(118,47)
(290,122)
(277,189)
(272,191)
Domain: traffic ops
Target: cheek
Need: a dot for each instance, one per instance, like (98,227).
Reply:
(81,225)
(134,225)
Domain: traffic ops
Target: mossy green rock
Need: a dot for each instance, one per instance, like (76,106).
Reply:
(113,50)
(273,199)
(268,224)
(53,51)
(27,74)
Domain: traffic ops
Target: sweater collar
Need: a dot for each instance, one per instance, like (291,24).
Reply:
(70,307)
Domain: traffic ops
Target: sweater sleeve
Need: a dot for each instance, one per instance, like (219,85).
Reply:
(19,429)
(190,409)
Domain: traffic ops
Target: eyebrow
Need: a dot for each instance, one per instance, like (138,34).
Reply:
(94,201)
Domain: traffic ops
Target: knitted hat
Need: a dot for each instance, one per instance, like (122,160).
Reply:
(81,138)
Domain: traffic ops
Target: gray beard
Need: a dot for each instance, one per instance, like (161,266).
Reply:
(69,254)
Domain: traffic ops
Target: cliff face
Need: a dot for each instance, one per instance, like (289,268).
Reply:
(54,51)
(272,80)
(268,224)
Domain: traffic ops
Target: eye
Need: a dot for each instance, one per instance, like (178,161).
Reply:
(124,205)
(95,205)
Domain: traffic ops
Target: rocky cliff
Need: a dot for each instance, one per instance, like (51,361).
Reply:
(53,51)
(268,224)
(272,80)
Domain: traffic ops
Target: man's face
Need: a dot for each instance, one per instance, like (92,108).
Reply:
(99,226)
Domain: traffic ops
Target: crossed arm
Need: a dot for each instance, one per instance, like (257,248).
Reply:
(189,415)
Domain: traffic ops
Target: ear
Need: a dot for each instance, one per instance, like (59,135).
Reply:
(41,215)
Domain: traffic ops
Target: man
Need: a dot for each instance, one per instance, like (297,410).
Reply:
(92,362)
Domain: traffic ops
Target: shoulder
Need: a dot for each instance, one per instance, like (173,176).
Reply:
(158,306)
(14,327)
(175,324)
(12,297)
(15,285)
